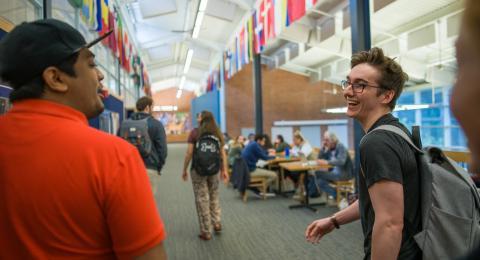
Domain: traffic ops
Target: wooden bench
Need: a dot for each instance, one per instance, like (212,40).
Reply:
(257,182)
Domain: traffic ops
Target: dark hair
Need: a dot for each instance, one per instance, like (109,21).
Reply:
(259,137)
(143,103)
(280,137)
(34,87)
(392,76)
(208,125)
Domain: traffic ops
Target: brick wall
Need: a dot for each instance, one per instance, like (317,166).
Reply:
(286,96)
(168,97)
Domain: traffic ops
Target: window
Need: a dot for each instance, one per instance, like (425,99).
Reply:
(438,126)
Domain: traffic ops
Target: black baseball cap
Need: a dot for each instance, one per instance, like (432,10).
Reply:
(31,47)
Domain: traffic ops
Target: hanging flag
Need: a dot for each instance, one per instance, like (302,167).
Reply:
(246,59)
(242,46)
(112,43)
(238,56)
(270,9)
(261,24)
(88,12)
(250,38)
(280,13)
(285,21)
(104,19)
(309,4)
(296,10)
(256,39)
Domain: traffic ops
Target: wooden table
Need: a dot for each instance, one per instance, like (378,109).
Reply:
(303,167)
(274,163)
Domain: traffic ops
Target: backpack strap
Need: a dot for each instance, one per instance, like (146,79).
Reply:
(398,131)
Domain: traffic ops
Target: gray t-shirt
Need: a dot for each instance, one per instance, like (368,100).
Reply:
(386,156)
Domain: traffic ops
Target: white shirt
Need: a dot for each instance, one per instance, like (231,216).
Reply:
(304,149)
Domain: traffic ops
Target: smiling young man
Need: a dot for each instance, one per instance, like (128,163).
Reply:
(67,190)
(389,190)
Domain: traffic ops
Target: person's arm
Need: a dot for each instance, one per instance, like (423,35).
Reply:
(188,158)
(387,202)
(260,153)
(156,253)
(160,142)
(318,228)
(341,157)
(224,169)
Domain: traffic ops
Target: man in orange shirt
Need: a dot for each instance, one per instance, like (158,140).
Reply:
(66,190)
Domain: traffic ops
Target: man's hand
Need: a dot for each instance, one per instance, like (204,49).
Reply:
(322,162)
(318,229)
(185,175)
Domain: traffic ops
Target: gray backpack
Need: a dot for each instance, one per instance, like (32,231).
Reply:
(450,203)
(136,133)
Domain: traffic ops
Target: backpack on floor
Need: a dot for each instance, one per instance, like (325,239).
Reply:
(136,133)
(450,203)
(206,155)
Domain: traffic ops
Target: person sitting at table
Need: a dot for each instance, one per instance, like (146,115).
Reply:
(336,154)
(280,144)
(301,147)
(254,152)
(236,149)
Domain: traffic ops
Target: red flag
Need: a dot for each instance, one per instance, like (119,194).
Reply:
(296,9)
(270,19)
(261,24)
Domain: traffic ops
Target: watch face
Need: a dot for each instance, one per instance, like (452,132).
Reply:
(4,105)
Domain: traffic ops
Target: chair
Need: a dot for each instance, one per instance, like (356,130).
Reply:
(257,182)
(343,189)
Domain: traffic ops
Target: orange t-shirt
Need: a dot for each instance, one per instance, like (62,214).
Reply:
(70,191)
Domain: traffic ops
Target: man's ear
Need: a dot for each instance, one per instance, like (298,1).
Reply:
(55,80)
(388,96)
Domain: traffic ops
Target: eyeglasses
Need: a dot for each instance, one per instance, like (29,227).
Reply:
(356,87)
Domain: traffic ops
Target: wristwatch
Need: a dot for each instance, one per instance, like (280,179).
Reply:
(334,222)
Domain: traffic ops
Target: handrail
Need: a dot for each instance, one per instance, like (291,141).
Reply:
(458,156)
(6,25)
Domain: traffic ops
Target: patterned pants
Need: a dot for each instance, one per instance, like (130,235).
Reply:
(207,201)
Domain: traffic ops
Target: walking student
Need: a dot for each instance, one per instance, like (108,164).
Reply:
(205,146)
(389,184)
(153,143)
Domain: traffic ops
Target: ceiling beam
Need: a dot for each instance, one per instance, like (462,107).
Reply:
(244,4)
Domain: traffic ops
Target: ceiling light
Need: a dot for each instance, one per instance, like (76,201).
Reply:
(198,24)
(203,5)
(179,93)
(182,83)
(188,61)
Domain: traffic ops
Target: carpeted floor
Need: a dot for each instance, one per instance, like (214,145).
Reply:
(257,229)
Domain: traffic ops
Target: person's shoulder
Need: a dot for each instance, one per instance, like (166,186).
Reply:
(92,137)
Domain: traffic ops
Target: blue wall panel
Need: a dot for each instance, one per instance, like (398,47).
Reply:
(210,102)
(113,104)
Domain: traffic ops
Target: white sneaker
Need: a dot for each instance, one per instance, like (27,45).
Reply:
(268,194)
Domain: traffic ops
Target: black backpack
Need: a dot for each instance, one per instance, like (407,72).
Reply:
(206,155)
(136,133)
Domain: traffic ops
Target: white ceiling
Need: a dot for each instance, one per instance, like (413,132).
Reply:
(162,31)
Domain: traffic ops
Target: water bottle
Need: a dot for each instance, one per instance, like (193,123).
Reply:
(287,152)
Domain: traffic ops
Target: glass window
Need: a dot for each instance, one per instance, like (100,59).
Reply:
(406,117)
(432,127)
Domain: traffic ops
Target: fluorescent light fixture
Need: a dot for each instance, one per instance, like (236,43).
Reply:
(182,83)
(411,107)
(203,5)
(198,24)
(165,108)
(188,61)
(337,110)
(179,93)
(342,110)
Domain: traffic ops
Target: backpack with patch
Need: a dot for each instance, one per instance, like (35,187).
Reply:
(136,133)
(206,155)
(449,201)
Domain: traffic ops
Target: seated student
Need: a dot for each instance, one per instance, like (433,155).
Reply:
(254,152)
(301,147)
(250,138)
(280,144)
(336,154)
(236,149)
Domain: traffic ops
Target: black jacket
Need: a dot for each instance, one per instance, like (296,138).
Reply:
(159,141)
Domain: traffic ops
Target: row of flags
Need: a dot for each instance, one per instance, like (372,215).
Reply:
(102,16)
(267,21)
